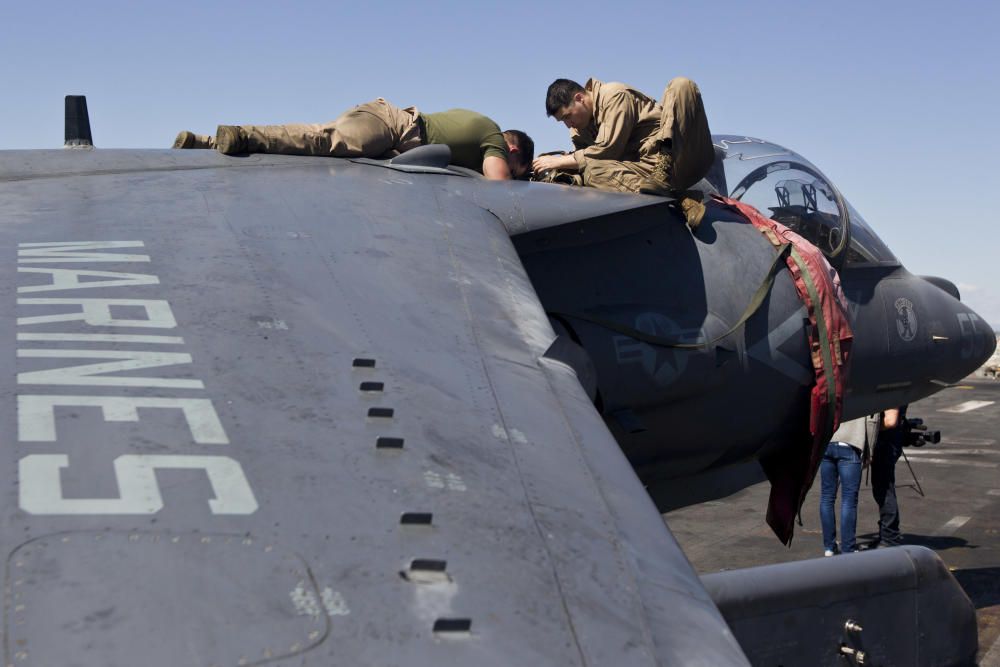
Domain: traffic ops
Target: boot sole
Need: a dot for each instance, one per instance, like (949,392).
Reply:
(184,139)
(228,141)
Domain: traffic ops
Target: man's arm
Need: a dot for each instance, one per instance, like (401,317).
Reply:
(891,418)
(546,162)
(495,168)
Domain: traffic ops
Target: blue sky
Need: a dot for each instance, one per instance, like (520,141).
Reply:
(895,101)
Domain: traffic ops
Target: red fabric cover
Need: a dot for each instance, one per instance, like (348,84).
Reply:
(793,469)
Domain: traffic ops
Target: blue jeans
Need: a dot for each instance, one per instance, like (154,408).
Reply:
(841,466)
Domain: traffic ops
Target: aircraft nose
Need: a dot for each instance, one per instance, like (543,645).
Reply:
(964,339)
(991,347)
(932,338)
(974,340)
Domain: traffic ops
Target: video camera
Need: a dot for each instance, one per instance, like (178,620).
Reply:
(916,434)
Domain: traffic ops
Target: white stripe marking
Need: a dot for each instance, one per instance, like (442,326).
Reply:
(949,462)
(952,525)
(993,492)
(949,451)
(102,338)
(967,406)
(976,442)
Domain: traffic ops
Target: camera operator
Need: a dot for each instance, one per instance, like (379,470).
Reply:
(888,449)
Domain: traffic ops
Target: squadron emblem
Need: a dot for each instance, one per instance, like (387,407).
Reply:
(906,319)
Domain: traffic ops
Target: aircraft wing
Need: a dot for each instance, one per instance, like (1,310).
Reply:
(276,410)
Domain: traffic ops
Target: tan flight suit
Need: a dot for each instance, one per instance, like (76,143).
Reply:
(374,129)
(618,150)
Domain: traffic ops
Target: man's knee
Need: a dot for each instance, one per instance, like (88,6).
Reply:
(681,90)
(682,83)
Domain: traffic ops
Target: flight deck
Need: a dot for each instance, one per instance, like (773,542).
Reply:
(949,500)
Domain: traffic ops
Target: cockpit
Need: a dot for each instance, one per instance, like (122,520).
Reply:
(787,187)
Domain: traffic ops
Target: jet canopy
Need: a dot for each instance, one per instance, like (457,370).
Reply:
(787,187)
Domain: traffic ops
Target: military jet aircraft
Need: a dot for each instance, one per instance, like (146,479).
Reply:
(279,410)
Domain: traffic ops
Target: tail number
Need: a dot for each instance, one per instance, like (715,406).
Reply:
(972,339)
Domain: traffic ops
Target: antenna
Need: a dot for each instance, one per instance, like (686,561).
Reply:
(77,123)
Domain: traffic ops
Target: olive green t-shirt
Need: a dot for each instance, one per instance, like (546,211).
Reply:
(471,136)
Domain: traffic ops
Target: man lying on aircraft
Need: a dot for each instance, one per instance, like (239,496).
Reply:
(627,142)
(380,129)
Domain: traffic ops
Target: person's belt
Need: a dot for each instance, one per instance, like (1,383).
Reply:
(422,129)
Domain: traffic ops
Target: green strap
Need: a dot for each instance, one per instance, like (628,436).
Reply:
(824,338)
(755,303)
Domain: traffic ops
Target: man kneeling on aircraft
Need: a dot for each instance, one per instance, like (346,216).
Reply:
(380,129)
(627,142)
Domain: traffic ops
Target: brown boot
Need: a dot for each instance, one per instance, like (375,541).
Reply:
(658,182)
(231,139)
(187,139)
(693,211)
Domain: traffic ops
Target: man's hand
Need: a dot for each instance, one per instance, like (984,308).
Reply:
(546,162)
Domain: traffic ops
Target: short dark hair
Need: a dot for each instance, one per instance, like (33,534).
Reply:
(560,94)
(526,147)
